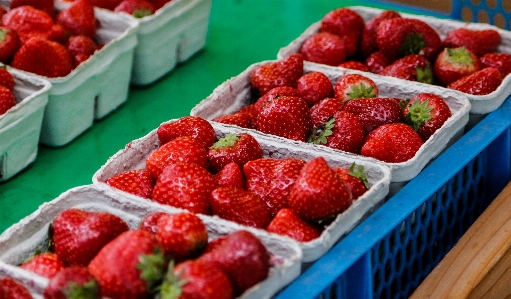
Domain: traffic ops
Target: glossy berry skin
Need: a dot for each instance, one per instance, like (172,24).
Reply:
(355,178)
(108,4)
(28,22)
(284,72)
(9,44)
(45,5)
(354,65)
(355,86)
(368,44)
(324,48)
(479,42)
(138,182)
(324,109)
(191,126)
(313,87)
(376,62)
(319,193)
(81,47)
(454,63)
(287,223)
(78,235)
(413,67)
(12,289)
(73,282)
(136,8)
(6,79)
(392,143)
(426,113)
(7,100)
(240,119)
(186,186)
(500,61)
(237,148)
(271,95)
(46,264)
(347,24)
(230,175)
(482,82)
(78,19)
(150,222)
(374,112)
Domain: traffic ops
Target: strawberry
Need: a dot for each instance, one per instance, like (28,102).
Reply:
(284,72)
(3,11)
(272,94)
(130,266)
(249,110)
(240,119)
(108,4)
(186,186)
(374,112)
(322,111)
(355,86)
(138,182)
(9,44)
(272,180)
(287,223)
(325,48)
(426,113)
(43,57)
(73,282)
(319,193)
(240,206)
(196,279)
(482,82)
(355,178)
(347,24)
(238,148)
(287,117)
(181,149)
(453,63)
(150,222)
(412,67)
(45,5)
(191,126)
(392,143)
(7,100)
(477,41)
(159,3)
(74,247)
(368,44)
(181,235)
(136,8)
(28,21)
(376,62)
(6,78)
(399,37)
(313,87)
(45,264)
(500,61)
(354,65)
(81,47)
(343,131)
(234,254)
(78,19)
(12,289)
(230,175)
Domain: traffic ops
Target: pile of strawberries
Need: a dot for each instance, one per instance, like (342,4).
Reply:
(347,115)
(389,44)
(7,99)
(94,254)
(136,8)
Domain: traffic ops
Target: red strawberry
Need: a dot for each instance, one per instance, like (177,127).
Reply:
(399,37)
(239,119)
(354,65)
(376,62)
(159,3)
(250,110)
(284,72)
(325,48)
(355,86)
(287,223)
(393,143)
(9,44)
(479,42)
(240,255)
(43,57)
(426,113)
(74,247)
(81,47)
(73,282)
(355,178)
(374,112)
(185,186)
(287,117)
(313,87)
(7,100)
(138,182)
(272,180)
(454,63)
(191,126)
(412,67)
(322,111)
(128,266)
(482,82)
(182,235)
(181,149)
(108,4)
(347,24)
(240,206)
(6,78)
(45,5)
(12,289)
(368,44)
(196,279)
(500,61)
(136,8)
(238,148)
(272,94)
(45,264)
(78,19)
(319,193)
(26,20)
(230,175)
(343,131)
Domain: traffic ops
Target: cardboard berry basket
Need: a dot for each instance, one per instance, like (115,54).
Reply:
(481,104)
(20,127)
(21,240)
(236,92)
(134,154)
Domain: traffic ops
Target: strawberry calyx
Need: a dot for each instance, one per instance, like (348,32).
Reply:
(319,134)
(413,44)
(361,91)
(152,268)
(424,75)
(3,34)
(89,290)
(418,113)
(142,12)
(459,55)
(227,141)
(171,286)
(358,172)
